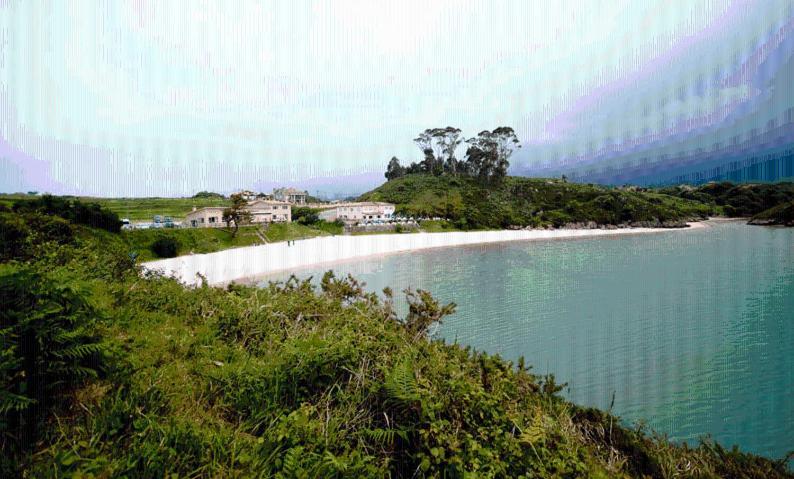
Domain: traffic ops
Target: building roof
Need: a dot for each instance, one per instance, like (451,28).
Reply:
(205,208)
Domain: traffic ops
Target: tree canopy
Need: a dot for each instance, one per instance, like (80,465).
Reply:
(487,156)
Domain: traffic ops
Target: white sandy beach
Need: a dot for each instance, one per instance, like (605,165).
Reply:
(241,263)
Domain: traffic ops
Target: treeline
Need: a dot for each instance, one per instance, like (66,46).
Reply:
(208,194)
(486,158)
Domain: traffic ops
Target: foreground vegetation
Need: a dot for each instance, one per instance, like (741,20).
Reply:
(518,201)
(105,373)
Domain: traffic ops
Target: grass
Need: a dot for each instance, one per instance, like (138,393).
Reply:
(140,209)
(144,209)
(190,240)
(438,226)
(208,240)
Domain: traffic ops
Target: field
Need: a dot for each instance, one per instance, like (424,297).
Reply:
(141,209)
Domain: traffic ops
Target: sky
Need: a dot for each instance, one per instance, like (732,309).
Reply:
(167,98)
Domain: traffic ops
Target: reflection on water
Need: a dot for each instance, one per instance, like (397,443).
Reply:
(692,331)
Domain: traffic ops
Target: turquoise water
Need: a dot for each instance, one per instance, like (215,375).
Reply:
(692,331)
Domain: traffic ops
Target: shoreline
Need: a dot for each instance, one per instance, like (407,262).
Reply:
(251,262)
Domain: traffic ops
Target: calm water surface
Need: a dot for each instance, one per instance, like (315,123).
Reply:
(693,331)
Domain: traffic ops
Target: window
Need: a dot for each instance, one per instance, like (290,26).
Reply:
(202,220)
(212,219)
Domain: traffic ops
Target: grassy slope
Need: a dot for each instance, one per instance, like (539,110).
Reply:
(303,383)
(195,240)
(530,201)
(208,240)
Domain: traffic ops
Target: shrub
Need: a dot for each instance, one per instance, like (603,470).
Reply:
(208,194)
(89,214)
(165,247)
(50,228)
(305,216)
(13,235)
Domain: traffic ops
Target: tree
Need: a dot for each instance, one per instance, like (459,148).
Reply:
(305,216)
(394,170)
(446,141)
(438,146)
(237,213)
(489,152)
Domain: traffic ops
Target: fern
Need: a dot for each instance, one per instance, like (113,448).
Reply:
(291,464)
(402,390)
(46,346)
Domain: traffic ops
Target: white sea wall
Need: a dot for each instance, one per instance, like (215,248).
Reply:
(236,264)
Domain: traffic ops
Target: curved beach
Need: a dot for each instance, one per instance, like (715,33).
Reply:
(236,264)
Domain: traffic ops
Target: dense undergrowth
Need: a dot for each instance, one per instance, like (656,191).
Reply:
(138,376)
(537,202)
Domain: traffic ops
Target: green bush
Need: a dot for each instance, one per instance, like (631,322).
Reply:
(165,247)
(21,234)
(305,216)
(89,214)
(13,236)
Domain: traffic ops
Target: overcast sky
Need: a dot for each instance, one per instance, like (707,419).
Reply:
(171,97)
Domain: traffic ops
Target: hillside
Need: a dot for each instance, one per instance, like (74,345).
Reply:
(737,200)
(146,378)
(520,201)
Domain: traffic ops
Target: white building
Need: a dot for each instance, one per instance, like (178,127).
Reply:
(262,211)
(269,211)
(356,212)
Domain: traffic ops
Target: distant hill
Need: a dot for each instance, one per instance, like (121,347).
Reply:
(537,202)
